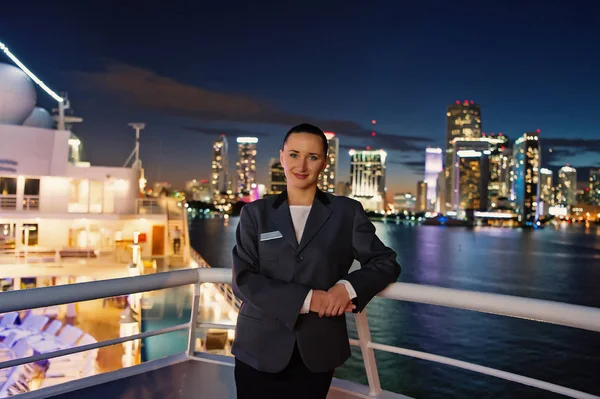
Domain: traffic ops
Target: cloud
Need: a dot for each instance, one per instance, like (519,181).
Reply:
(147,89)
(213,131)
(565,150)
(588,145)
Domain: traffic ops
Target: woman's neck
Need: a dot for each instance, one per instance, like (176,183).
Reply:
(298,196)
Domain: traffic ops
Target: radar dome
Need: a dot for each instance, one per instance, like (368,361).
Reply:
(39,118)
(17,95)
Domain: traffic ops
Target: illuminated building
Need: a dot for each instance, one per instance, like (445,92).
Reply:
(566,189)
(276,177)
(546,191)
(421,201)
(246,164)
(220,166)
(327,179)
(367,177)
(594,187)
(463,121)
(404,202)
(470,185)
(434,164)
(198,190)
(470,164)
(441,202)
(499,175)
(527,165)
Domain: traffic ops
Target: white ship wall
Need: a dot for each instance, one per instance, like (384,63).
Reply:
(36,151)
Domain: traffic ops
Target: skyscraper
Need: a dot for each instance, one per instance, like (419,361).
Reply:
(470,171)
(498,186)
(527,165)
(566,189)
(434,164)
(246,164)
(471,184)
(421,203)
(276,177)
(367,177)
(220,166)
(546,191)
(463,121)
(594,187)
(327,179)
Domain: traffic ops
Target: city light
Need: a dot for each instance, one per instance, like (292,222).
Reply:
(30,74)
(329,135)
(468,153)
(500,215)
(434,150)
(247,140)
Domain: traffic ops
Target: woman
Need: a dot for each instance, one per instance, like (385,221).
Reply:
(290,268)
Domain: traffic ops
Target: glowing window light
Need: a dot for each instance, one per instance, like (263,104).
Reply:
(30,74)
(468,153)
(247,140)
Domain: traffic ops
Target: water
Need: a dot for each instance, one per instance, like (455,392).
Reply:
(560,264)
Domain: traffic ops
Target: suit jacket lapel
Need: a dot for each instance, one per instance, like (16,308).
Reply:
(319,213)
(282,219)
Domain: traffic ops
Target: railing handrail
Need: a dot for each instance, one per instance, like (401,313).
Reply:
(570,315)
(578,316)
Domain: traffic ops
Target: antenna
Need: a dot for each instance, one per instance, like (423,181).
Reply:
(137,126)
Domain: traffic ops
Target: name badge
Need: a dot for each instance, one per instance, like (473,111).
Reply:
(273,235)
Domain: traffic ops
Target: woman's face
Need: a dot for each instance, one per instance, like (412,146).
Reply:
(303,159)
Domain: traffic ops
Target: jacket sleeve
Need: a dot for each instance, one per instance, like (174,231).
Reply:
(379,267)
(277,299)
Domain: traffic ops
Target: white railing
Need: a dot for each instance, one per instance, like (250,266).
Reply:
(8,201)
(544,311)
(150,206)
(225,289)
(31,202)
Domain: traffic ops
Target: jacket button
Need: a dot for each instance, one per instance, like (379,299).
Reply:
(299,258)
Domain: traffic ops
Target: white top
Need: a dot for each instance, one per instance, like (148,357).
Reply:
(299,215)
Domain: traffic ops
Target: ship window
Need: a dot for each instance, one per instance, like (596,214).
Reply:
(78,196)
(32,228)
(32,187)
(8,185)
(96,188)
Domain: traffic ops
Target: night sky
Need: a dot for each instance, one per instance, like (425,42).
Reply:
(241,68)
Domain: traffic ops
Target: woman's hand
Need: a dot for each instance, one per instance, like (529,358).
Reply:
(339,300)
(319,302)
(331,303)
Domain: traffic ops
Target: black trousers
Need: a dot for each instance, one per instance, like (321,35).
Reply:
(296,381)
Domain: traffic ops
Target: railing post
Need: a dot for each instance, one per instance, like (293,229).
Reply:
(194,320)
(364,337)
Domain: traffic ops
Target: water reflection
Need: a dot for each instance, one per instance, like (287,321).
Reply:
(561,264)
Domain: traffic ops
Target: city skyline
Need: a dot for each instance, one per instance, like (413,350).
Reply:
(189,89)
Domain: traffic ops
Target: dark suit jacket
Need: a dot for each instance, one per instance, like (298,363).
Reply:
(272,278)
